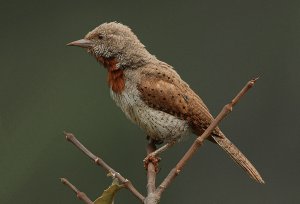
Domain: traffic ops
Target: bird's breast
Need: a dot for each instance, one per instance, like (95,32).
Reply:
(157,124)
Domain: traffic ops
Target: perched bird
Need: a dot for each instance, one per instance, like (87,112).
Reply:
(151,93)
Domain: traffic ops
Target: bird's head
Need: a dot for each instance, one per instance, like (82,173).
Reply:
(113,41)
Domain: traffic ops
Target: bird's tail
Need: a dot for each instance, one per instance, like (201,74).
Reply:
(238,157)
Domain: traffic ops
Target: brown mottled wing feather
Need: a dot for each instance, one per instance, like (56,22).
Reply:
(163,90)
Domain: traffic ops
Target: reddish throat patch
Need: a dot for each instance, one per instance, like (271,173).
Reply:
(115,76)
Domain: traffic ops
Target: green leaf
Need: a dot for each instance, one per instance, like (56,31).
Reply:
(108,195)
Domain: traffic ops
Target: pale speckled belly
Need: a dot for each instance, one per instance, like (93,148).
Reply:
(157,124)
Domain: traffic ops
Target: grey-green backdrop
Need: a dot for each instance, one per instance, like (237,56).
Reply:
(216,46)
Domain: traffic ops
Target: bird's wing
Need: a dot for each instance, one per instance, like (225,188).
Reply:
(164,90)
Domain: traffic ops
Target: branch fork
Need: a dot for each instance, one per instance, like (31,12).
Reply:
(71,138)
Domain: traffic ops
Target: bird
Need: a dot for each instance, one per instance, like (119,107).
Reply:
(151,93)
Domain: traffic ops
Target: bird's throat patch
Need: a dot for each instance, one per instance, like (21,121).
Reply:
(116,80)
(115,76)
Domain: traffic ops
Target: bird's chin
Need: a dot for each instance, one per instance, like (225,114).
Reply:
(98,57)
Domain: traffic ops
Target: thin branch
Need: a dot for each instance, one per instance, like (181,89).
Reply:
(80,195)
(151,170)
(71,138)
(151,164)
(199,141)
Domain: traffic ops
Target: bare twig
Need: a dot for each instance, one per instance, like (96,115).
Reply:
(152,168)
(80,195)
(199,141)
(151,171)
(71,138)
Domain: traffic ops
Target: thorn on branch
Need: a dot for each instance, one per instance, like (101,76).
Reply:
(229,107)
(254,80)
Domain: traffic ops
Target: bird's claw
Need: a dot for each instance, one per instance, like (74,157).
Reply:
(152,158)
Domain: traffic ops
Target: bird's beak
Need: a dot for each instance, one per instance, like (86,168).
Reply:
(84,43)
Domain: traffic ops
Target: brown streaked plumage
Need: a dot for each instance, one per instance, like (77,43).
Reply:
(151,93)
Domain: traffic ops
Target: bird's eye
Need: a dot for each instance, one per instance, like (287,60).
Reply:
(100,37)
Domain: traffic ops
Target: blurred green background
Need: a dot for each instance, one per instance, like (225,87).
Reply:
(216,46)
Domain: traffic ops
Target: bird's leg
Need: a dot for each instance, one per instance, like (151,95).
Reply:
(152,157)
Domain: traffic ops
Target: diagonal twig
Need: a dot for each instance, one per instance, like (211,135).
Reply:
(71,138)
(80,195)
(199,140)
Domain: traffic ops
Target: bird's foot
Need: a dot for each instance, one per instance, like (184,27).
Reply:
(154,159)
